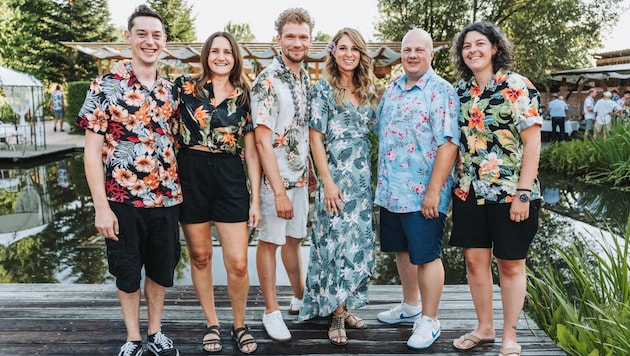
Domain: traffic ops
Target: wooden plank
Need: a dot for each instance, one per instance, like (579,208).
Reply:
(55,319)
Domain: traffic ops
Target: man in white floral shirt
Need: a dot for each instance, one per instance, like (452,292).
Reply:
(280,112)
(418,142)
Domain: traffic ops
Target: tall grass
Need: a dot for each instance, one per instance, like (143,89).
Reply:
(594,161)
(585,304)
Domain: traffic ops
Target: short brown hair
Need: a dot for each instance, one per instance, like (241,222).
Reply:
(143,11)
(297,15)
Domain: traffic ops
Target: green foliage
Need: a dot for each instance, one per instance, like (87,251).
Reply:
(540,43)
(585,306)
(241,31)
(593,161)
(322,37)
(178,20)
(74,100)
(31,32)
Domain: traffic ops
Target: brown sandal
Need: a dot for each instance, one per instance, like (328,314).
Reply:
(212,337)
(337,330)
(354,322)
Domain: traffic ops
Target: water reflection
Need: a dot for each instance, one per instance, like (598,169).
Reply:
(48,236)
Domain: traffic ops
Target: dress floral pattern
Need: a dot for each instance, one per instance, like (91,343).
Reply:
(342,258)
(139,125)
(491,150)
(274,102)
(218,126)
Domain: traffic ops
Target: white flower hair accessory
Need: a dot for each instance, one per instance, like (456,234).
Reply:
(331,47)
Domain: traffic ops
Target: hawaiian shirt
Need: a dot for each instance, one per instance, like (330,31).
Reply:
(276,95)
(57,100)
(491,149)
(218,126)
(412,124)
(139,125)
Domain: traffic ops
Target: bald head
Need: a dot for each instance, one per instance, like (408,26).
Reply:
(418,34)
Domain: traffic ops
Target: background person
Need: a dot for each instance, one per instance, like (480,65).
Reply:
(558,112)
(604,109)
(418,139)
(57,105)
(496,192)
(341,263)
(136,199)
(280,110)
(589,111)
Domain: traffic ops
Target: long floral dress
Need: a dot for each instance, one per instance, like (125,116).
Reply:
(341,263)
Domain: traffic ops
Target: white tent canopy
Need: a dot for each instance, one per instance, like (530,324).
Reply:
(618,71)
(24,92)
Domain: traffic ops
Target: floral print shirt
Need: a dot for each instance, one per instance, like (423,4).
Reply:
(491,149)
(218,126)
(275,95)
(412,124)
(139,125)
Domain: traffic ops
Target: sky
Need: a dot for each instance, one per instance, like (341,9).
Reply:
(329,15)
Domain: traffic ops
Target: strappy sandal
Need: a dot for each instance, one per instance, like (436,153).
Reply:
(354,322)
(337,330)
(241,333)
(212,331)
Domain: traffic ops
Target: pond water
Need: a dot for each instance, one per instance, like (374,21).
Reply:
(47,233)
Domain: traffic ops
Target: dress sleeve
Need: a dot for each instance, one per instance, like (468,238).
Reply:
(320,106)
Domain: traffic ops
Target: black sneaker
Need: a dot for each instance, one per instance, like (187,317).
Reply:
(131,348)
(159,345)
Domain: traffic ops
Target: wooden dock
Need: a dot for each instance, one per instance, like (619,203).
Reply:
(79,319)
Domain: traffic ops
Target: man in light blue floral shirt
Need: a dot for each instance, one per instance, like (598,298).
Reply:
(418,143)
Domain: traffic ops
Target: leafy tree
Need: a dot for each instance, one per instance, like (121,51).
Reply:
(31,32)
(241,31)
(322,37)
(547,34)
(178,20)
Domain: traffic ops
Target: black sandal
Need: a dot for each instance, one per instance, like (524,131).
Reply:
(216,331)
(239,334)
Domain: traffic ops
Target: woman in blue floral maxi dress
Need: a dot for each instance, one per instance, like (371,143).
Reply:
(342,258)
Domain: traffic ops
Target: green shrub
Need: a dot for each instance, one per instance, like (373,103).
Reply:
(585,305)
(74,100)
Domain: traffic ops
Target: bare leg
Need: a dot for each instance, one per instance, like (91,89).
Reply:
(234,241)
(431,282)
(292,260)
(513,289)
(266,267)
(408,273)
(130,305)
(480,282)
(199,243)
(154,294)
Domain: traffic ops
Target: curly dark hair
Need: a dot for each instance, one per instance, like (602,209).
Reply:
(143,11)
(502,59)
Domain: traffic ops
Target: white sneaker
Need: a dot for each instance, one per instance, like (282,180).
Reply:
(425,332)
(275,327)
(295,306)
(397,315)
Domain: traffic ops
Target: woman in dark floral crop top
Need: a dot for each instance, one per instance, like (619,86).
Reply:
(215,130)
(496,195)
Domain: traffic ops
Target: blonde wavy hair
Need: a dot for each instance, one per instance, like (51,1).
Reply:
(363,77)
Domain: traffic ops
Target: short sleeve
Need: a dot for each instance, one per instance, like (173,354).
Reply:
(525,109)
(444,114)
(320,106)
(264,102)
(93,115)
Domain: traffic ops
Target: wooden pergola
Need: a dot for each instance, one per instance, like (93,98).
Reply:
(180,57)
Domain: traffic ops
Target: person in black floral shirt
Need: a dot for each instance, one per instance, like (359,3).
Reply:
(496,192)
(131,170)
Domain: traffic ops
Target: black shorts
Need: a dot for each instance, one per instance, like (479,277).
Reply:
(489,226)
(148,237)
(214,187)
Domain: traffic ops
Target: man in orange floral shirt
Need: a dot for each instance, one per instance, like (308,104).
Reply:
(132,174)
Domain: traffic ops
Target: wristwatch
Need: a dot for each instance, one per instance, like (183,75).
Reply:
(523,197)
